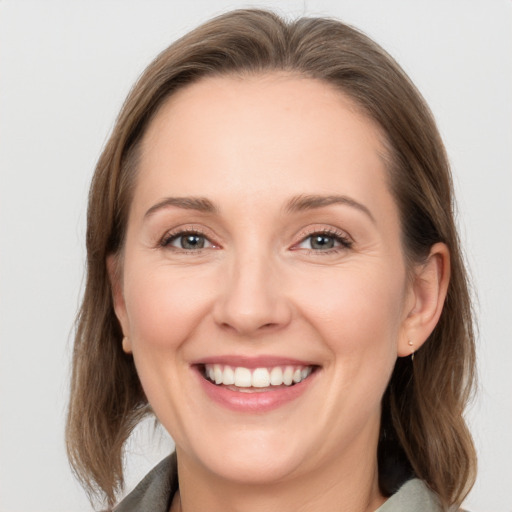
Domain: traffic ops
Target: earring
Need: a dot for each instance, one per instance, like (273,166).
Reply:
(411,344)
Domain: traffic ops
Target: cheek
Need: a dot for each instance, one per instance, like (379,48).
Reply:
(164,306)
(358,312)
(357,309)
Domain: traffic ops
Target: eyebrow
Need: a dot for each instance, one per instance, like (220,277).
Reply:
(296,204)
(311,202)
(200,204)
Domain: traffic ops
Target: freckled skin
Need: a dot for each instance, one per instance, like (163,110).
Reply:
(259,288)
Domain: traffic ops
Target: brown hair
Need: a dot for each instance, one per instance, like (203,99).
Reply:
(423,430)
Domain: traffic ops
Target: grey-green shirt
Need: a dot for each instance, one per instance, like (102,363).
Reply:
(155,492)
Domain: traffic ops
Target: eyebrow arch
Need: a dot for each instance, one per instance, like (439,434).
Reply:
(200,204)
(310,202)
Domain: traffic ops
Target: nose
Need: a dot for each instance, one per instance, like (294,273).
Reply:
(252,298)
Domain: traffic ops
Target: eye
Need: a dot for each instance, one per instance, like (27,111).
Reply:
(187,241)
(325,241)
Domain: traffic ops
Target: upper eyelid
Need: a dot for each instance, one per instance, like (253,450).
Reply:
(186,228)
(330,231)
(179,234)
(326,231)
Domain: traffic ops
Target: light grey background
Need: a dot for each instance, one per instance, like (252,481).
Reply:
(65,68)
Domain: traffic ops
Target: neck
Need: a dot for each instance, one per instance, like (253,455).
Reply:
(350,484)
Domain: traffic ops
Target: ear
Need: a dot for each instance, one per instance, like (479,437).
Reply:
(116,285)
(426,299)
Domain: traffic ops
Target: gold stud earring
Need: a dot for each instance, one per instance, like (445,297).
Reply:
(411,344)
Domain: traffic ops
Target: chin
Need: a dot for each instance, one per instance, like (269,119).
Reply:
(250,459)
(250,469)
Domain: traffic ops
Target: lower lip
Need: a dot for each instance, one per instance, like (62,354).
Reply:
(256,401)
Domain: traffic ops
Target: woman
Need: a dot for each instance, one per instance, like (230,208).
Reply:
(274,272)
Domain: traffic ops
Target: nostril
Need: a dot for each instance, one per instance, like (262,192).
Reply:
(227,326)
(246,314)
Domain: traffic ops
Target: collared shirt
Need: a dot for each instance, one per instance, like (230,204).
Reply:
(156,491)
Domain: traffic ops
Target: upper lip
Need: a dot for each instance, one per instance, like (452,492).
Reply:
(263,361)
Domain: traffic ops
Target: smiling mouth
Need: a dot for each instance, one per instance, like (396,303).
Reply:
(247,380)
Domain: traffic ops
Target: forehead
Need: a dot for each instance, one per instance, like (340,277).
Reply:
(274,131)
(290,100)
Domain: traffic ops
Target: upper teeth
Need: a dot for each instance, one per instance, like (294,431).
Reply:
(257,377)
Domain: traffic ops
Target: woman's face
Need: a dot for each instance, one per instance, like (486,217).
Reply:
(263,247)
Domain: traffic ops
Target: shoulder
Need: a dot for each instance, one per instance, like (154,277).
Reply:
(413,495)
(155,492)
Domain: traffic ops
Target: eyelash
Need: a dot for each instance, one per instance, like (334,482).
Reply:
(338,236)
(172,236)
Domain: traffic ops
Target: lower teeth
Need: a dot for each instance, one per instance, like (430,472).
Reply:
(249,390)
